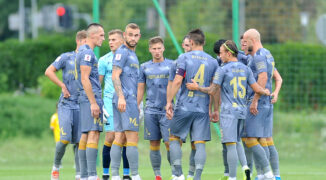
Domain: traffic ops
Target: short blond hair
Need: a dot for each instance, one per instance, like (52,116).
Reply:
(115,31)
(155,40)
(82,34)
(132,26)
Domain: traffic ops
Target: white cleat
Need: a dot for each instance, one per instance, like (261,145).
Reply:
(115,178)
(137,177)
(182,177)
(92,178)
(269,176)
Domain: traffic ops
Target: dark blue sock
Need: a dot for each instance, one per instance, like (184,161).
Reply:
(106,159)
(125,161)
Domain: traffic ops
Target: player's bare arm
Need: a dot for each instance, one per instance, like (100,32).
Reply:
(259,90)
(101,77)
(216,99)
(173,91)
(140,92)
(211,90)
(262,80)
(278,84)
(85,72)
(50,73)
(116,71)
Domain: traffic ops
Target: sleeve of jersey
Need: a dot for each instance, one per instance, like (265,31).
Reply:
(181,66)
(218,77)
(142,77)
(172,71)
(59,62)
(87,59)
(101,66)
(251,78)
(260,63)
(119,58)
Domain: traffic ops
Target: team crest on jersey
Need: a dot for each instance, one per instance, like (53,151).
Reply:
(58,59)
(87,57)
(118,57)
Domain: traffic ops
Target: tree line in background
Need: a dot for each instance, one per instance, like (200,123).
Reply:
(277,20)
(301,66)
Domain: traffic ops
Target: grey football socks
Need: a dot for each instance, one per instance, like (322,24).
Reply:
(132,155)
(155,157)
(200,159)
(115,154)
(249,157)
(232,157)
(241,154)
(274,160)
(225,160)
(91,156)
(176,155)
(60,150)
(76,159)
(82,159)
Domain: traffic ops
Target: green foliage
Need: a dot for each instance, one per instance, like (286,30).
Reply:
(48,88)
(302,69)
(24,115)
(300,65)
(24,62)
(3,82)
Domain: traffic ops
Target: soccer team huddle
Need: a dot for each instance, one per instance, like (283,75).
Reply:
(183,97)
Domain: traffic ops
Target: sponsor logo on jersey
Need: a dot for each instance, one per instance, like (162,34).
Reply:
(118,57)
(87,57)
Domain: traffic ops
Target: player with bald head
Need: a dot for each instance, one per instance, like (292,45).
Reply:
(90,101)
(259,121)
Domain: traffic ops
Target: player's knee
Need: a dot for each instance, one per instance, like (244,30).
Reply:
(250,142)
(109,137)
(93,136)
(230,143)
(83,137)
(155,143)
(131,136)
(262,142)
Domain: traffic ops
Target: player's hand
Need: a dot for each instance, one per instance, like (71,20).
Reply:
(65,92)
(192,86)
(275,97)
(267,92)
(95,110)
(169,110)
(253,108)
(122,104)
(215,117)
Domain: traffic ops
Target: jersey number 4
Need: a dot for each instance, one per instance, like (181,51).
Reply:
(237,81)
(199,78)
